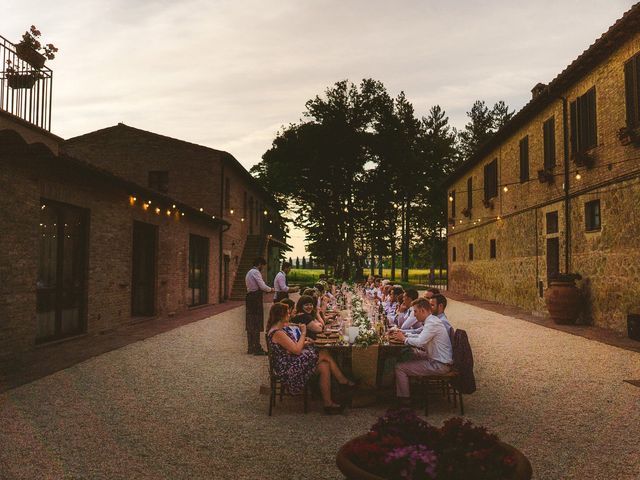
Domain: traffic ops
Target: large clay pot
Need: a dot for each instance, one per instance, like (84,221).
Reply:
(523,470)
(563,301)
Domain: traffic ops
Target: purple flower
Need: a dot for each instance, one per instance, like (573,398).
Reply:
(413,461)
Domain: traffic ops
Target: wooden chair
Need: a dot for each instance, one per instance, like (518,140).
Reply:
(443,383)
(277,388)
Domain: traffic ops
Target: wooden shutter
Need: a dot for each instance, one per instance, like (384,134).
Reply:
(573,113)
(469,193)
(549,133)
(630,91)
(524,159)
(453,204)
(591,129)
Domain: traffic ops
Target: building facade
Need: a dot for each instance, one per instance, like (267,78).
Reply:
(209,179)
(557,190)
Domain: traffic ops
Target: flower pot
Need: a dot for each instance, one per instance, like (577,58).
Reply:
(522,471)
(31,56)
(21,80)
(563,301)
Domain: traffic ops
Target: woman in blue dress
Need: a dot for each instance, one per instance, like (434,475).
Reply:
(296,360)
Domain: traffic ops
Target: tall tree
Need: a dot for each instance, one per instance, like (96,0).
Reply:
(501,114)
(478,129)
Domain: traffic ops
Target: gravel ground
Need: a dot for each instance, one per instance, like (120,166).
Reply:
(185,405)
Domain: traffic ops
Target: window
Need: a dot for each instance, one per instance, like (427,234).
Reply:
(583,122)
(491,180)
(453,204)
(159,180)
(470,251)
(632,91)
(453,254)
(524,159)
(549,134)
(469,193)
(592,215)
(492,248)
(198,269)
(227,193)
(552,222)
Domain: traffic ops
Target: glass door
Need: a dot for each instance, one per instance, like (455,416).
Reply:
(62,272)
(198,270)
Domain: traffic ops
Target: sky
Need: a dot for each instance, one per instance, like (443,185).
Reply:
(230,74)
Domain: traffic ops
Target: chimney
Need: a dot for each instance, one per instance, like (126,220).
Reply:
(538,90)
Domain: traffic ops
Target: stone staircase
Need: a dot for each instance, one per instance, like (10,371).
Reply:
(253,247)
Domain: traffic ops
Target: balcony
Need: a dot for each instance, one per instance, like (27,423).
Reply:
(27,90)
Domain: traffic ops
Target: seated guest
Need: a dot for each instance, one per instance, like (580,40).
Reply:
(291,306)
(431,292)
(306,315)
(405,319)
(435,356)
(296,360)
(438,304)
(392,306)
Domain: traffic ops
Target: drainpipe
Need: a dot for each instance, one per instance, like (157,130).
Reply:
(567,209)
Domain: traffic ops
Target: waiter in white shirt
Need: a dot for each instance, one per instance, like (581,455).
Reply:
(255,312)
(280,283)
(436,356)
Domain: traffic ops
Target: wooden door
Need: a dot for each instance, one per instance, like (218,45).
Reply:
(143,269)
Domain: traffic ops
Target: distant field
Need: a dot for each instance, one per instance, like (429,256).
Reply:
(416,275)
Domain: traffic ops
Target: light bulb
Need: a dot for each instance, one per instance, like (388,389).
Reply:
(506,189)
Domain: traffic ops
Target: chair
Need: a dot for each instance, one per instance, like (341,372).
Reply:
(277,388)
(443,383)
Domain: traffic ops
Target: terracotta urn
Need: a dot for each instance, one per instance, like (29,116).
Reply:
(351,471)
(563,300)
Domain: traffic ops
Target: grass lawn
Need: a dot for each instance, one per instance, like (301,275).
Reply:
(417,276)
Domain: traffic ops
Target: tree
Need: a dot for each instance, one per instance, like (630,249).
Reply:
(501,115)
(483,123)
(304,262)
(297,262)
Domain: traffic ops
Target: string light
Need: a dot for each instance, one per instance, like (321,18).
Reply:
(182,214)
(42,207)
(157,210)
(201,209)
(231,211)
(213,216)
(145,206)
(242,219)
(506,189)
(173,206)
(450,198)
(168,212)
(578,176)
(265,212)
(149,202)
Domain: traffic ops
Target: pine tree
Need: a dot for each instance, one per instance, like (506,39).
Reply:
(297,262)
(304,262)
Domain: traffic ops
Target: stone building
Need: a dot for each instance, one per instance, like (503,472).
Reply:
(557,189)
(209,179)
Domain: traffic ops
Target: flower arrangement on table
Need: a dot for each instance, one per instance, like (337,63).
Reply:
(402,445)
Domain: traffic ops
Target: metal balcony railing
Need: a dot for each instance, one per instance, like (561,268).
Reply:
(27,91)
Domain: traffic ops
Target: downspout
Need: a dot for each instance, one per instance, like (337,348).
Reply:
(222,230)
(567,209)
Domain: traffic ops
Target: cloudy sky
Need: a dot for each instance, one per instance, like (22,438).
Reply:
(229,74)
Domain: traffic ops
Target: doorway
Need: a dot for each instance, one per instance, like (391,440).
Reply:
(62,271)
(143,269)
(225,277)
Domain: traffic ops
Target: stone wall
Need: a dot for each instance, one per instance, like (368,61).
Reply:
(608,259)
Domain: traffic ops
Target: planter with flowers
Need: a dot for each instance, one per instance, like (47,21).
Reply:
(32,51)
(402,445)
(20,80)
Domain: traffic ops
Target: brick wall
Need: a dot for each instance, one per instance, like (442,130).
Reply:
(608,259)
(24,181)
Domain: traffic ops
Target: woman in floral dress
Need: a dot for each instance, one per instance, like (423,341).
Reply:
(295,361)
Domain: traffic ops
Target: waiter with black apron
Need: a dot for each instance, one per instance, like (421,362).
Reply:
(255,313)
(280,283)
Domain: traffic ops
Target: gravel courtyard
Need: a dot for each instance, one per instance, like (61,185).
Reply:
(186,405)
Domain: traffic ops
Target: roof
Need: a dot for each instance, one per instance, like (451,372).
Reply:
(226,156)
(622,30)
(12,139)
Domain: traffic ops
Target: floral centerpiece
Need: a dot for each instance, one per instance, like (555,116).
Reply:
(402,445)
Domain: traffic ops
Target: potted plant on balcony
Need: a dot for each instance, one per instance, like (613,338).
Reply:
(32,51)
(545,175)
(402,445)
(466,212)
(20,80)
(563,298)
(583,159)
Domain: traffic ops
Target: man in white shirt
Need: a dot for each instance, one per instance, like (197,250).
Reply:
(438,304)
(405,310)
(255,312)
(280,283)
(435,355)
